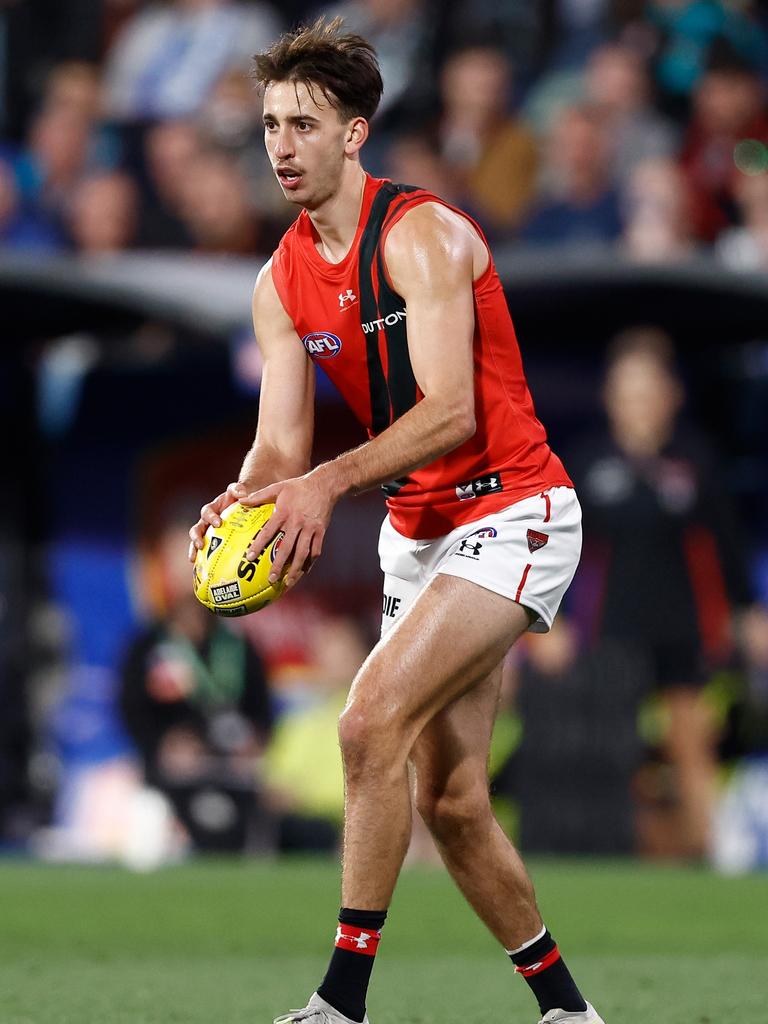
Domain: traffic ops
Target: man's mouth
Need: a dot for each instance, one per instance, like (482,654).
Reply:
(288,177)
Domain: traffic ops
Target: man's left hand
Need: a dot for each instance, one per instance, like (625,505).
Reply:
(303,507)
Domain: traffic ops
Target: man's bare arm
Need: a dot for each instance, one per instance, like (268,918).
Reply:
(283,442)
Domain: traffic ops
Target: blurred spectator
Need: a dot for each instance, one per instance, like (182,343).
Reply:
(740,840)
(570,30)
(102,214)
(401,31)
(169,149)
(231,121)
(74,86)
(167,58)
(689,33)
(657,214)
(746,247)
(729,106)
(303,763)
(195,701)
(616,82)
(663,568)
(216,207)
(414,160)
(21,226)
(481,144)
(56,158)
(579,205)
(571,775)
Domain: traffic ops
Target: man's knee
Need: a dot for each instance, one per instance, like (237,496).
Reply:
(371,739)
(453,814)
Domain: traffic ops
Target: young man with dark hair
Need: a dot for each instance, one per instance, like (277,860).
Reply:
(395,294)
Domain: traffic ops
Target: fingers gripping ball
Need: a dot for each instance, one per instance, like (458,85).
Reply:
(225,581)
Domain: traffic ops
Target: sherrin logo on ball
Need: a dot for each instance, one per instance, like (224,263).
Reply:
(225,581)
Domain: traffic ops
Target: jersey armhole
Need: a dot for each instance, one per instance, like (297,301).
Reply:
(411,203)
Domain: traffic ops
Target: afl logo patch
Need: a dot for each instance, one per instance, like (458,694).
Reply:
(487,531)
(321,344)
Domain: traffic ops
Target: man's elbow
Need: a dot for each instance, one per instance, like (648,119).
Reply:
(463,423)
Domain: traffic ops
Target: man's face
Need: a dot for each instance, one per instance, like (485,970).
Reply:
(305,142)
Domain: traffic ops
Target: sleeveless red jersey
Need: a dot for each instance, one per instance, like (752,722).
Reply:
(354,326)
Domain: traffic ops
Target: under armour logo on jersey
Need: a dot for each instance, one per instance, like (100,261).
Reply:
(477,488)
(346,297)
(536,540)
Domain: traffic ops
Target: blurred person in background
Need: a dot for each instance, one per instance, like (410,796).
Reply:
(302,766)
(231,122)
(570,775)
(656,210)
(22,226)
(664,566)
(195,701)
(57,156)
(685,34)
(570,30)
(167,57)
(102,214)
(216,207)
(746,247)
(169,148)
(578,204)
(491,155)
(617,84)
(402,33)
(74,86)
(728,106)
(414,157)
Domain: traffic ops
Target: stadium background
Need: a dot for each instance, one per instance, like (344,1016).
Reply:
(616,153)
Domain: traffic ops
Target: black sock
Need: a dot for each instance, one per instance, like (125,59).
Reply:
(544,969)
(345,984)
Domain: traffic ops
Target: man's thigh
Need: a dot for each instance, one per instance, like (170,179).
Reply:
(452,636)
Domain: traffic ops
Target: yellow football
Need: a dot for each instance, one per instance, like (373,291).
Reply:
(224,580)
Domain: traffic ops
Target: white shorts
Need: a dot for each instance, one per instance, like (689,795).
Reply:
(527,552)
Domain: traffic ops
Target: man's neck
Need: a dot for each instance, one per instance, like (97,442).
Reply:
(337,219)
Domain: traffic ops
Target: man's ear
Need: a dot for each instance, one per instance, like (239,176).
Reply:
(357,134)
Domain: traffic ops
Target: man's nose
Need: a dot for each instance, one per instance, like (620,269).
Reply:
(283,145)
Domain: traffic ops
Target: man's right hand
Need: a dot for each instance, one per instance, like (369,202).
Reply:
(210,515)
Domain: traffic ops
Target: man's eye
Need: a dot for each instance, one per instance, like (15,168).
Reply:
(269,125)
(304,126)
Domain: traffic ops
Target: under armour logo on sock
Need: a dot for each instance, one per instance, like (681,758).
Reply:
(357,940)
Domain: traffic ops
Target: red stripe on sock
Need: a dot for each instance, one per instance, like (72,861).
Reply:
(541,965)
(357,940)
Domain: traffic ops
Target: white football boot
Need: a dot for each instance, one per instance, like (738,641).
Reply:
(588,1016)
(319,1012)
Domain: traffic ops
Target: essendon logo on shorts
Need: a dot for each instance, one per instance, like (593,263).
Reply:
(536,540)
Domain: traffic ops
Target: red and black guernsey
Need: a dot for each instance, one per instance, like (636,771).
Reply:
(354,325)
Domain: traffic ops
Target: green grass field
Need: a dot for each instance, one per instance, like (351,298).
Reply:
(239,942)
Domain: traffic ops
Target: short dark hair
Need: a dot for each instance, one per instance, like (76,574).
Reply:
(342,65)
(645,340)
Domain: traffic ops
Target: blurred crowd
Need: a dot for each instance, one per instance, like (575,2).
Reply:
(638,127)
(635,124)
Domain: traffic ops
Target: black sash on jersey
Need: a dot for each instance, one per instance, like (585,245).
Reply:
(394,394)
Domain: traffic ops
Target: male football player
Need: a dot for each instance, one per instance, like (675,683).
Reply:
(394,293)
